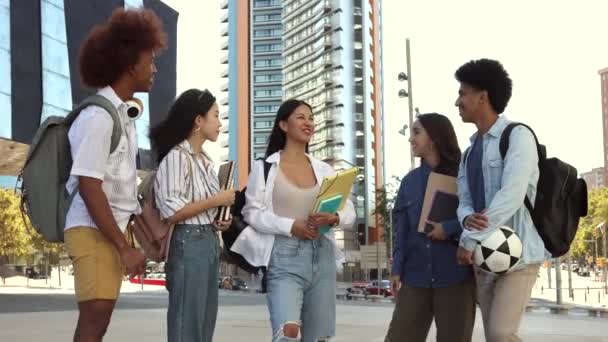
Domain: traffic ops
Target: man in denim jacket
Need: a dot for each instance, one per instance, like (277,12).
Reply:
(492,191)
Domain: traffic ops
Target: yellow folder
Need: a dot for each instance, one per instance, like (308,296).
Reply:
(339,184)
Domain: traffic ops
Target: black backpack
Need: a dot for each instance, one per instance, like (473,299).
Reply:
(561,197)
(236,227)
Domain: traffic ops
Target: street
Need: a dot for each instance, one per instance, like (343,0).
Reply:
(35,315)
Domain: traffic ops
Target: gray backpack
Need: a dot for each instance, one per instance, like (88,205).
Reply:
(44,198)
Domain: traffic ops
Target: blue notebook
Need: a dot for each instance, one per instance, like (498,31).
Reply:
(331,206)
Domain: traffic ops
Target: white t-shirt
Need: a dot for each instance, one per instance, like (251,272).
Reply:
(90,137)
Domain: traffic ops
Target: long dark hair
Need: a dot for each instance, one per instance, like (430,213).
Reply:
(278,138)
(178,125)
(442,134)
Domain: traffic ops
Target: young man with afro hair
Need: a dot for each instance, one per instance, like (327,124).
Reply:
(117,59)
(492,191)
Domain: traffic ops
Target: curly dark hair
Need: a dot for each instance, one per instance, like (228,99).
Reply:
(442,134)
(113,47)
(491,76)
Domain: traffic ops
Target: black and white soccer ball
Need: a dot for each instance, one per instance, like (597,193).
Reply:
(499,252)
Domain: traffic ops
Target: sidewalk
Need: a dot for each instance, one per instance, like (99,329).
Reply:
(594,297)
(21,284)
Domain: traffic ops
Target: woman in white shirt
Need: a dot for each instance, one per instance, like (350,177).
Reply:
(284,233)
(187,195)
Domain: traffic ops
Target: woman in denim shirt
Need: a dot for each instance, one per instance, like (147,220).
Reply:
(187,194)
(429,282)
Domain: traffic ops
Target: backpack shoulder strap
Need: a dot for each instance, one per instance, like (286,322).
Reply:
(506,134)
(100,101)
(504,147)
(267,167)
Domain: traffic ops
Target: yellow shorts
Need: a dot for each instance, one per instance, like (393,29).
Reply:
(98,271)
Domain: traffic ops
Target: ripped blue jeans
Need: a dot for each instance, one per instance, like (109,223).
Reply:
(302,288)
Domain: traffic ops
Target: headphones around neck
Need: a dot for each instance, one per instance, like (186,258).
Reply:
(134,108)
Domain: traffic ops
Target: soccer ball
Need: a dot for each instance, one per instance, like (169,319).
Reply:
(499,252)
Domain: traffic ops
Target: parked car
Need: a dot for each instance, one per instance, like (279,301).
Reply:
(382,288)
(584,271)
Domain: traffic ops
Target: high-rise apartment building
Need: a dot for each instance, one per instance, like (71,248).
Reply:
(327,53)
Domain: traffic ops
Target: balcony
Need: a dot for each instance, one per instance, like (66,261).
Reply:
(327,23)
(225,128)
(224,101)
(224,59)
(224,87)
(224,18)
(224,73)
(224,45)
(224,4)
(328,42)
(224,142)
(224,32)
(224,115)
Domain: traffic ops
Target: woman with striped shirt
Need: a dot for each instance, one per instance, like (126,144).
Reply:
(187,195)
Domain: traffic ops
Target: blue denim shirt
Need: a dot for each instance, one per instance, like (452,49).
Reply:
(420,261)
(506,184)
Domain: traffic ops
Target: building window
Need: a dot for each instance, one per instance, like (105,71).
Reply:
(268,33)
(260,140)
(266,3)
(266,17)
(267,63)
(268,78)
(265,109)
(268,93)
(263,124)
(267,47)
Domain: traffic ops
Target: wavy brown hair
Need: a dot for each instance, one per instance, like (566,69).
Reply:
(442,134)
(113,47)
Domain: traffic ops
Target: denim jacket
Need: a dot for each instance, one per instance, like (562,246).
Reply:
(506,185)
(420,261)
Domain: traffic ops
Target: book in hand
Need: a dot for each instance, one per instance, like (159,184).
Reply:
(226,180)
(436,182)
(443,208)
(329,205)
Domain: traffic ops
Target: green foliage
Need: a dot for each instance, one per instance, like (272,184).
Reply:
(598,213)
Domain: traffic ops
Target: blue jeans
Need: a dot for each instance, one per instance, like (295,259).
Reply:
(302,288)
(192,280)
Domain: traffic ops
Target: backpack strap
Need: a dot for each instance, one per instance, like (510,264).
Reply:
(267,167)
(504,147)
(104,103)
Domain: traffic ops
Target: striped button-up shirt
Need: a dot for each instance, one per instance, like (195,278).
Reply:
(183,178)
(90,136)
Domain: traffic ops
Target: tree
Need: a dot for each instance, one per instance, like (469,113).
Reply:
(598,213)
(14,240)
(385,200)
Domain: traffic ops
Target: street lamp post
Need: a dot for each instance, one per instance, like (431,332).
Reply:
(402,93)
